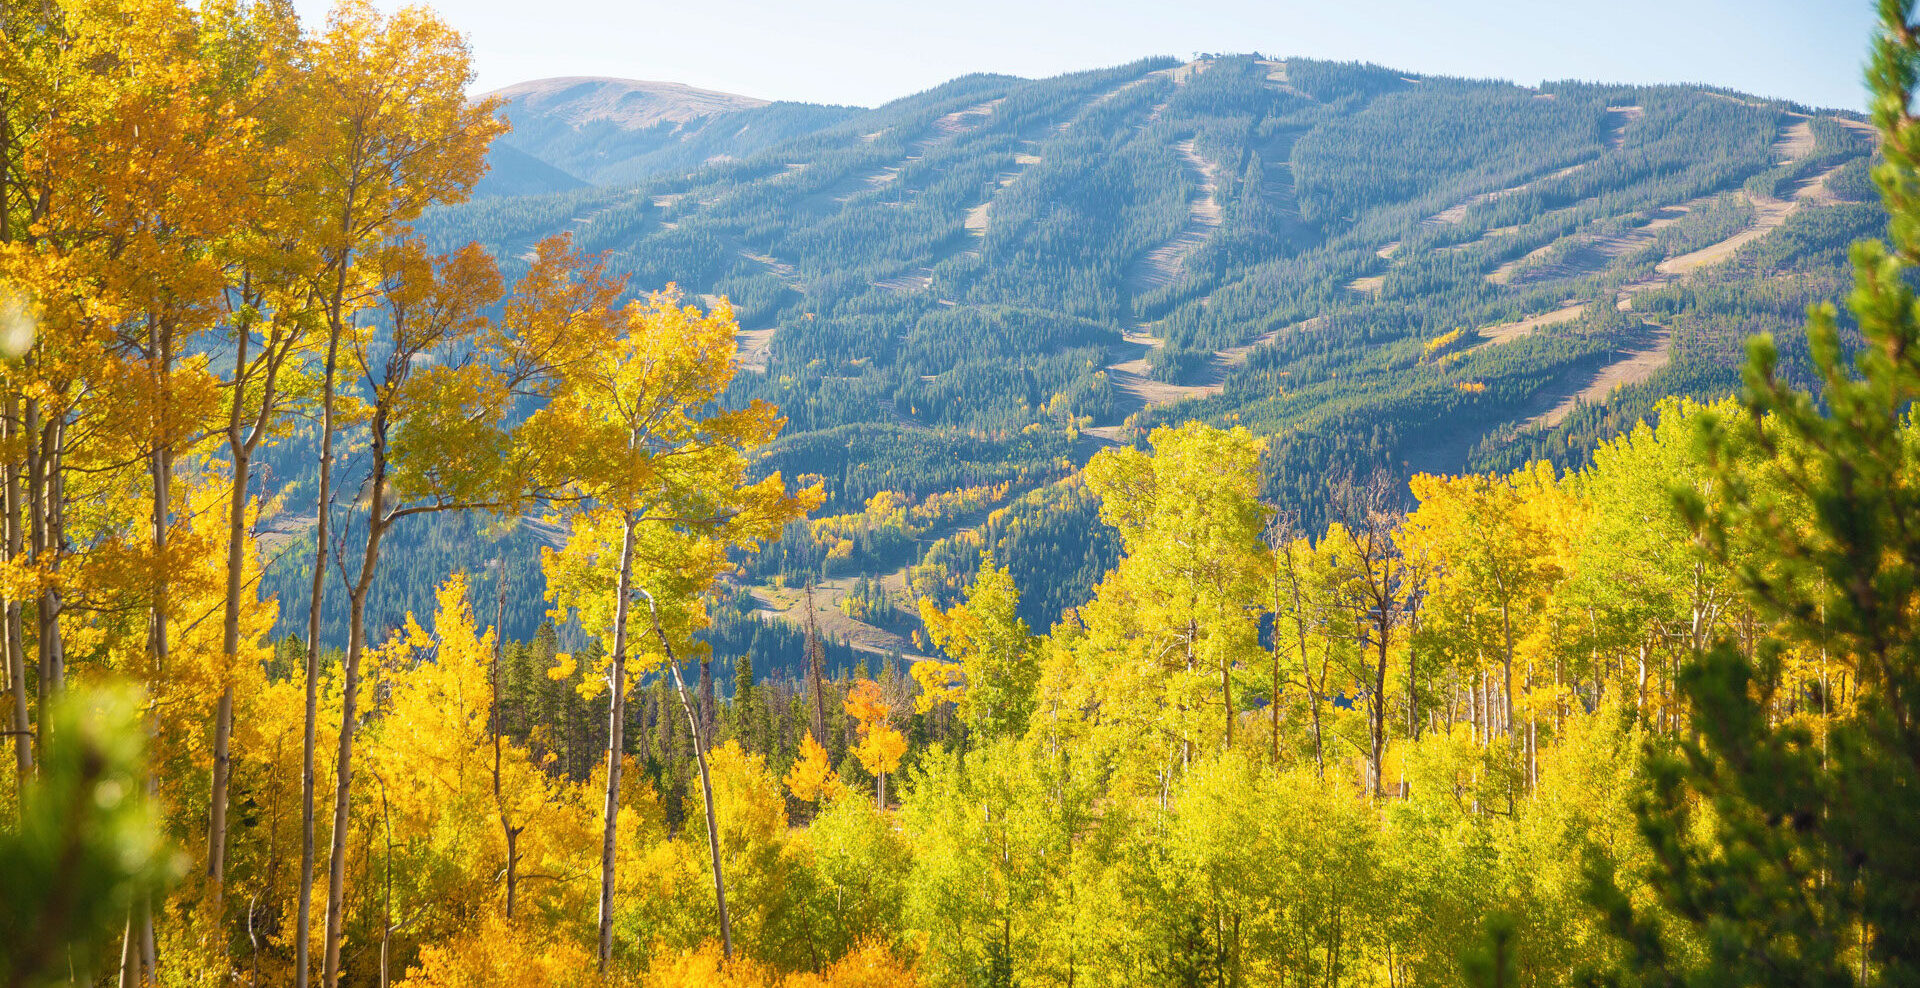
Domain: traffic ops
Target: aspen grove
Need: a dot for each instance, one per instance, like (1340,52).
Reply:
(1645,720)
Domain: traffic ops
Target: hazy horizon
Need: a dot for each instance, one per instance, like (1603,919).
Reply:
(865,52)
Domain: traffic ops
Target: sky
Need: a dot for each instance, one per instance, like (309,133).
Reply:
(866,52)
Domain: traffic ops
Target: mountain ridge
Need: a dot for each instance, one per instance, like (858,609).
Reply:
(975,287)
(634,104)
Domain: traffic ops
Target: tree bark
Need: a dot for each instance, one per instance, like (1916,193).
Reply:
(1506,665)
(303,934)
(15,631)
(616,727)
(377,523)
(161,340)
(706,784)
(1377,707)
(816,671)
(240,446)
(43,468)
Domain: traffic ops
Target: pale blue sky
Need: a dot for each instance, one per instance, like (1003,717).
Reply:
(869,51)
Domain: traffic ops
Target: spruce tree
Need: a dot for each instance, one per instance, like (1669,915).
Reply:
(1785,858)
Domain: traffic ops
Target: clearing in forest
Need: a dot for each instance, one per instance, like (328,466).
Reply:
(1162,265)
(753,349)
(1636,362)
(1509,331)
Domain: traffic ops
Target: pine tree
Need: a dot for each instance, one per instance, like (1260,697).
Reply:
(1790,859)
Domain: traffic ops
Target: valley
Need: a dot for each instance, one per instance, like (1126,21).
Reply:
(1032,270)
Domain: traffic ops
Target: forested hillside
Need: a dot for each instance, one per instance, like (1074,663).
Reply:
(1219,702)
(965,293)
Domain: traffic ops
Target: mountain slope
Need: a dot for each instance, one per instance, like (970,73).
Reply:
(628,103)
(972,289)
(512,173)
(616,131)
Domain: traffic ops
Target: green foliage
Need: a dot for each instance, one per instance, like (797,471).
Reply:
(946,279)
(87,847)
(1492,966)
(1787,853)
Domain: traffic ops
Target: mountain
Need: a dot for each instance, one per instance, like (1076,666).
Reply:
(960,296)
(614,131)
(629,103)
(512,172)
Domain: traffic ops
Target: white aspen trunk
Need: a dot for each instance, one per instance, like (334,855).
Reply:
(303,934)
(14,630)
(706,783)
(377,523)
(616,723)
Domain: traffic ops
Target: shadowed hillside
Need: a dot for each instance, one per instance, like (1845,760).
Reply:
(981,284)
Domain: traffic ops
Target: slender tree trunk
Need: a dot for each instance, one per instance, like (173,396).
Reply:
(616,728)
(240,451)
(15,631)
(1473,705)
(1506,664)
(1274,704)
(1640,682)
(322,516)
(817,671)
(1306,667)
(159,642)
(1413,705)
(377,522)
(1226,696)
(706,784)
(43,468)
(1186,737)
(130,952)
(498,727)
(1377,709)
(708,707)
(1319,748)
(1533,737)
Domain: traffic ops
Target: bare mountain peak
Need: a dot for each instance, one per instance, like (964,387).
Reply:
(628,103)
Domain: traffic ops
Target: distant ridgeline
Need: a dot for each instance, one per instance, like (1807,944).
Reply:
(957,297)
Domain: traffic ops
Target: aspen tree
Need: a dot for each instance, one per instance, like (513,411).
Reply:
(440,387)
(388,130)
(658,490)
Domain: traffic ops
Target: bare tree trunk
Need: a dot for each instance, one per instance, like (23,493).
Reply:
(1506,664)
(303,935)
(240,447)
(1413,691)
(1377,710)
(217,810)
(616,725)
(706,783)
(1319,748)
(44,483)
(158,640)
(1473,706)
(377,523)
(130,953)
(1300,639)
(708,707)
(817,671)
(1640,682)
(1533,737)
